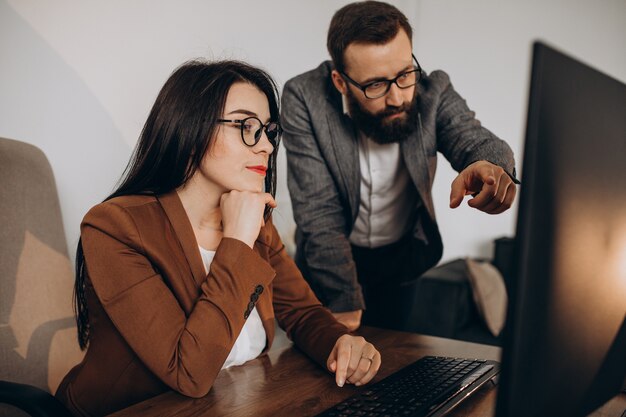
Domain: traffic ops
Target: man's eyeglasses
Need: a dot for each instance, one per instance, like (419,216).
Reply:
(379,88)
(251,130)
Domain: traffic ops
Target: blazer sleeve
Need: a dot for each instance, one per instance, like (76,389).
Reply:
(318,209)
(185,351)
(307,323)
(460,136)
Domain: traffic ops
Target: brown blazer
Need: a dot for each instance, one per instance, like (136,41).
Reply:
(159,322)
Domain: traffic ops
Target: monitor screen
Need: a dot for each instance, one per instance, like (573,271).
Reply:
(564,350)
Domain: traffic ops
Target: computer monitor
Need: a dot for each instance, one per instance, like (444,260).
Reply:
(564,351)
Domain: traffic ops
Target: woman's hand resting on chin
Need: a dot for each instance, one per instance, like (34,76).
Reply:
(242,214)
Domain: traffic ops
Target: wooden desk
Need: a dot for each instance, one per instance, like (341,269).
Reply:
(287,383)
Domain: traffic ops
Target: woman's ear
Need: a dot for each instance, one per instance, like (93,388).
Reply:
(339,82)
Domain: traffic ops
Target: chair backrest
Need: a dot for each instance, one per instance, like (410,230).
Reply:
(38,343)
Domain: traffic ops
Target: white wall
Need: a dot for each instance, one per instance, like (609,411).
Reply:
(485,46)
(78,78)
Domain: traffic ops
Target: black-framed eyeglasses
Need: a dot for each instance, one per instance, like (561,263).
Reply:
(379,88)
(251,130)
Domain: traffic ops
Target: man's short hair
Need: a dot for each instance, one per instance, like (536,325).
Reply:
(372,22)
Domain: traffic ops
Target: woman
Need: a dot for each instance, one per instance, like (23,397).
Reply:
(180,272)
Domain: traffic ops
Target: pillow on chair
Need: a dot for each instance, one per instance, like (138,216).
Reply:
(489,293)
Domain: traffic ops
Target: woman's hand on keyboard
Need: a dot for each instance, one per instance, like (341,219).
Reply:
(353,360)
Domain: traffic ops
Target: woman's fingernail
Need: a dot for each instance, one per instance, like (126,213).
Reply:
(357,384)
(340,383)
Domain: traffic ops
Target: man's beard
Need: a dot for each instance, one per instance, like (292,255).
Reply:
(380,130)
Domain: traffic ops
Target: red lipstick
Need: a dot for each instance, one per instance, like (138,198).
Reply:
(259,169)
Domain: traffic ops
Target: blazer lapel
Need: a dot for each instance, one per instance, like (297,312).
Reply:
(416,162)
(177,216)
(342,134)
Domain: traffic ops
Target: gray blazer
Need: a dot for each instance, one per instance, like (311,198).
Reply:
(324,175)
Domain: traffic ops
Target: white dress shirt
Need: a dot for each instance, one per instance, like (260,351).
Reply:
(387,194)
(252,339)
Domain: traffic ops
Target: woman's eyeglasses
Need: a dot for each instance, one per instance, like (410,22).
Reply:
(251,130)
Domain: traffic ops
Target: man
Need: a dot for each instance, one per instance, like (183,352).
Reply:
(362,134)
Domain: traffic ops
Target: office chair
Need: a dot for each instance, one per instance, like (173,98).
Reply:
(38,343)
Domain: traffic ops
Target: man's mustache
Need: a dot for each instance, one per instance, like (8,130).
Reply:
(392,110)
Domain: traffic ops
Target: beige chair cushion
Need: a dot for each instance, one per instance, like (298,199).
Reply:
(38,342)
(489,293)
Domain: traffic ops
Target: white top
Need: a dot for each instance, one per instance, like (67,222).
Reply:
(252,339)
(387,195)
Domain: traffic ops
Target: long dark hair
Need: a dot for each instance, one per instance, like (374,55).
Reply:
(172,144)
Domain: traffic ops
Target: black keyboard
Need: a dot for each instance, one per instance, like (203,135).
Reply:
(431,386)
